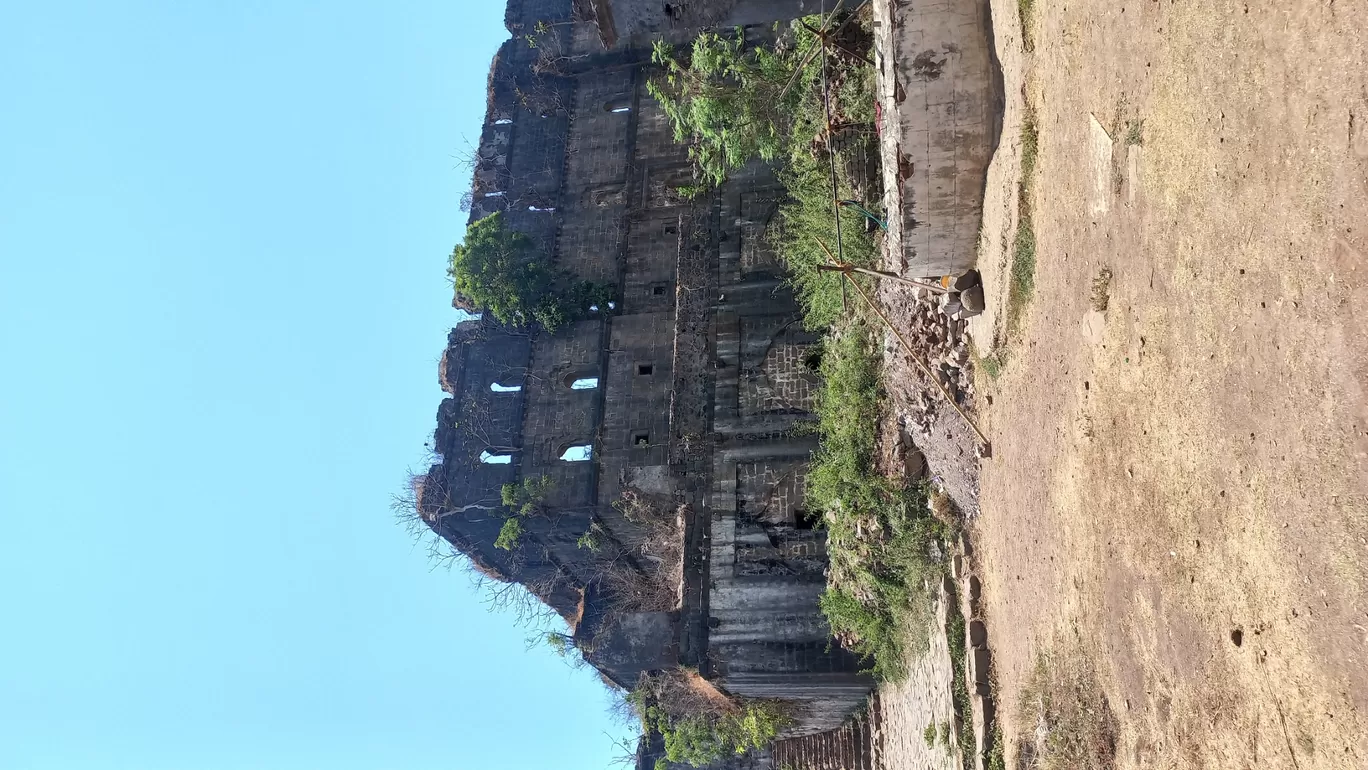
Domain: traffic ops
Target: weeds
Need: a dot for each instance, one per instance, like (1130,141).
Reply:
(806,223)
(959,688)
(1134,135)
(1101,290)
(1063,706)
(1023,270)
(1026,9)
(1030,147)
(881,535)
(929,735)
(996,758)
(1022,277)
(991,365)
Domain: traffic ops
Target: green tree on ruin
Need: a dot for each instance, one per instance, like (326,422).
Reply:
(498,270)
(726,100)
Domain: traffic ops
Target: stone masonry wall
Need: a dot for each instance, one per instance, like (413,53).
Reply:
(689,390)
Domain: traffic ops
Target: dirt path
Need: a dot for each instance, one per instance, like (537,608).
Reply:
(1190,467)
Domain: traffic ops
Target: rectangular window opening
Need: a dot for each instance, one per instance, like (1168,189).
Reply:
(645,370)
(641,439)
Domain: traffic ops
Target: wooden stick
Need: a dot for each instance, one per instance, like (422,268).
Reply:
(829,39)
(849,268)
(845,271)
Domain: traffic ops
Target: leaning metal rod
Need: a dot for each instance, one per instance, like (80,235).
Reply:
(908,348)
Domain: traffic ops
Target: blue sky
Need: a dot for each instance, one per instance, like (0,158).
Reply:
(222,231)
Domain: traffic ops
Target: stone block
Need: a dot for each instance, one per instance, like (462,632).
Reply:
(978,634)
(978,662)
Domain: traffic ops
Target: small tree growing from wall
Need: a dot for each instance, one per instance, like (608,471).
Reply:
(726,101)
(497,270)
(525,499)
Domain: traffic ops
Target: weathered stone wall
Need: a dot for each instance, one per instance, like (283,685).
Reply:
(939,88)
(699,381)
(633,22)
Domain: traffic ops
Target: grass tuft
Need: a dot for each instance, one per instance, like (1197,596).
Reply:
(1134,135)
(1026,10)
(1066,711)
(1022,277)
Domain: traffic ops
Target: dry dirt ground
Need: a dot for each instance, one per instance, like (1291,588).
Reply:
(1192,462)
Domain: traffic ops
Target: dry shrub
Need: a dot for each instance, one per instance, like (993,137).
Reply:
(682,692)
(650,581)
(1072,725)
(1101,290)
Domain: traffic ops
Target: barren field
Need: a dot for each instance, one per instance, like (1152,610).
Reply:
(1178,495)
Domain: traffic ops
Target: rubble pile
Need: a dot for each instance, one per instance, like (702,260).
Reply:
(935,327)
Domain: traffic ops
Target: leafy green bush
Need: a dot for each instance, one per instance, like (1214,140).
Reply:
(702,739)
(526,498)
(701,724)
(725,100)
(497,270)
(509,534)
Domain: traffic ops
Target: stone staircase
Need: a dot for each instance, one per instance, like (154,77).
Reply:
(849,747)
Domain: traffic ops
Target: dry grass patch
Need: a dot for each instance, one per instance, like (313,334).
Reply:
(1101,290)
(1067,723)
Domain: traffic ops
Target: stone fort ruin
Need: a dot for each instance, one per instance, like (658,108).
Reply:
(673,533)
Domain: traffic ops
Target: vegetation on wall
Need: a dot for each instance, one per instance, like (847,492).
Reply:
(736,102)
(497,270)
(880,531)
(525,498)
(699,723)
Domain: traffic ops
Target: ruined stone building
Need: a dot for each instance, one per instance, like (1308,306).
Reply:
(684,397)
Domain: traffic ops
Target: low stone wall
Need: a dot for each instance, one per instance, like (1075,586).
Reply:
(939,90)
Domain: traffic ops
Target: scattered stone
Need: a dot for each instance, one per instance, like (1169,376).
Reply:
(965,281)
(972,300)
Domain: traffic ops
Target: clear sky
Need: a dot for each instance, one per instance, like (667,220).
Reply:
(223,228)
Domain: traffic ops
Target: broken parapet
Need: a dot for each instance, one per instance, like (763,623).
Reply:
(939,92)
